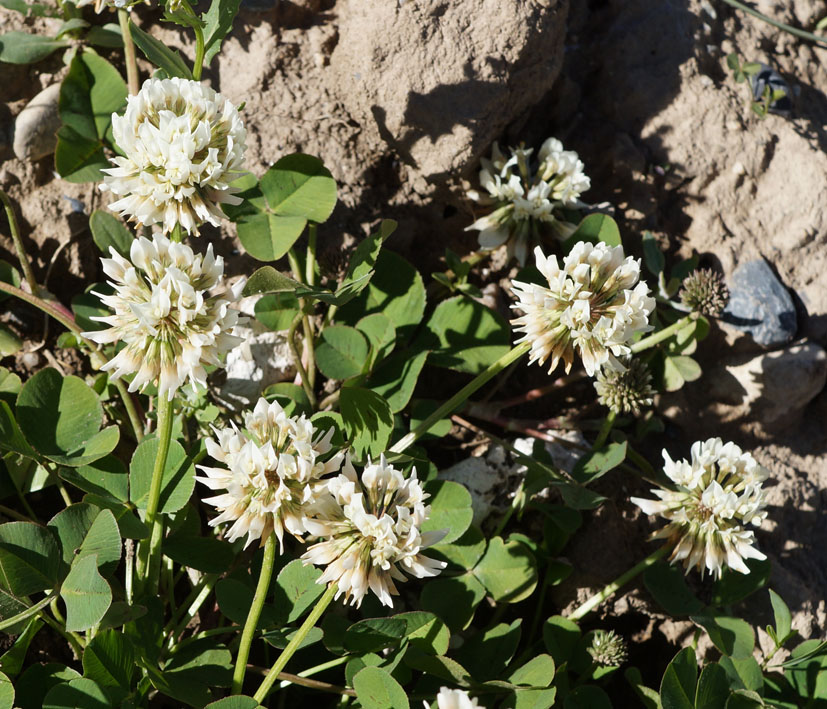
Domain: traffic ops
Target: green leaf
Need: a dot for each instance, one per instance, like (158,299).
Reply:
(652,255)
(425,632)
(86,594)
(342,352)
(6,692)
(363,262)
(450,509)
(396,290)
(277,311)
(8,274)
(438,666)
(648,696)
(76,694)
(218,21)
(29,558)
(486,654)
(11,663)
(732,636)
(744,673)
(61,418)
(713,688)
(29,10)
(395,379)
(507,570)
(296,589)
(368,420)
(84,531)
(453,599)
(376,689)
(237,702)
(11,437)
(783,618)
(560,636)
(202,661)
(206,554)
(679,370)
(10,343)
(374,634)
(300,186)
(33,685)
(25,48)
(75,23)
(677,689)
(537,672)
(733,62)
(531,699)
(380,333)
(595,228)
(234,600)
(733,586)
(587,697)
(109,660)
(464,335)
(159,54)
(741,699)
(667,584)
(86,306)
(108,36)
(268,237)
(178,480)
(109,232)
(106,477)
(596,464)
(90,93)
(268,280)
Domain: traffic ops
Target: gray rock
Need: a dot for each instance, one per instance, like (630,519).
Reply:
(773,388)
(36,125)
(760,305)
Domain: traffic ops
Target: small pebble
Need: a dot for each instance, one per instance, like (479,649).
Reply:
(36,125)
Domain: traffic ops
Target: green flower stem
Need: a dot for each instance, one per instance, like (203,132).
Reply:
(619,582)
(297,356)
(71,638)
(198,66)
(95,355)
(149,556)
(310,266)
(605,430)
(129,53)
(667,332)
(461,396)
(28,274)
(191,605)
(775,23)
(335,662)
(295,642)
(28,612)
(254,614)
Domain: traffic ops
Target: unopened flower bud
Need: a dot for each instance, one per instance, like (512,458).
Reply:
(625,392)
(704,291)
(608,649)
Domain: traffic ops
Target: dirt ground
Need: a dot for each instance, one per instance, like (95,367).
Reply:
(401,99)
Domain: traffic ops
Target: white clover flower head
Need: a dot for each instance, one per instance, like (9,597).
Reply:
(454,699)
(593,305)
(719,493)
(524,198)
(171,311)
(271,473)
(369,525)
(183,145)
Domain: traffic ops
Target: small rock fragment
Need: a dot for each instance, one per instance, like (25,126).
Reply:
(760,305)
(36,125)
(769,80)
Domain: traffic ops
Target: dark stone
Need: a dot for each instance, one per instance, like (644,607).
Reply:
(760,305)
(769,77)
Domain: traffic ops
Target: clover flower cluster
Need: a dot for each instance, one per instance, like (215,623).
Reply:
(626,391)
(454,699)
(607,648)
(165,315)
(594,305)
(183,144)
(371,530)
(524,201)
(719,494)
(272,473)
(705,291)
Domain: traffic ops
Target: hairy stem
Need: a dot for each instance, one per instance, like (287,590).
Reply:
(605,430)
(149,555)
(294,349)
(619,582)
(295,642)
(198,66)
(28,274)
(461,396)
(28,612)
(667,332)
(254,614)
(132,80)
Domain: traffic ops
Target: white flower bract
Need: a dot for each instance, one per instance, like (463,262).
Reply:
(523,201)
(164,314)
(271,476)
(454,699)
(719,493)
(370,530)
(594,305)
(183,145)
